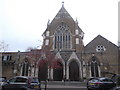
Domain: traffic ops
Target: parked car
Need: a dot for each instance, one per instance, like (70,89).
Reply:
(22,83)
(3,81)
(100,84)
(116,88)
(116,79)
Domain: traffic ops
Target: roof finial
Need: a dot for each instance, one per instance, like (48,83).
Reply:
(48,23)
(76,20)
(63,4)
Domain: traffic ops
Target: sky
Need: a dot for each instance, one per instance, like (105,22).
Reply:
(22,22)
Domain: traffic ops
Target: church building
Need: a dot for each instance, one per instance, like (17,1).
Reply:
(64,37)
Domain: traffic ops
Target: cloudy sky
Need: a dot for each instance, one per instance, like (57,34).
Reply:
(22,22)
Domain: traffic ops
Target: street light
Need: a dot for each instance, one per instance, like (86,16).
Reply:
(17,63)
(65,68)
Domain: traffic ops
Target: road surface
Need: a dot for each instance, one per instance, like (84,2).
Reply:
(63,87)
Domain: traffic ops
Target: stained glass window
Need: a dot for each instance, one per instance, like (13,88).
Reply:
(94,68)
(62,38)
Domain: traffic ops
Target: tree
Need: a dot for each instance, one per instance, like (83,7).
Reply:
(49,60)
(33,57)
(31,48)
(43,59)
(3,46)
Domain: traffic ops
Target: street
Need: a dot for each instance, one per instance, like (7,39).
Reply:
(66,89)
(62,86)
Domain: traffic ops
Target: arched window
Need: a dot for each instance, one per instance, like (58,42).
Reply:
(62,38)
(94,67)
(25,68)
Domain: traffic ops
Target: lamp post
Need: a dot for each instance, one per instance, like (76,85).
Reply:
(17,63)
(43,57)
(65,77)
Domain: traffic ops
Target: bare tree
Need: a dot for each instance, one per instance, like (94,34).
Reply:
(3,46)
(49,59)
(30,49)
(42,57)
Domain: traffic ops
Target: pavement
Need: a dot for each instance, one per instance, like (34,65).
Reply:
(65,85)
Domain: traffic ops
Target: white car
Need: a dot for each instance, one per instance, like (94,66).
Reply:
(3,81)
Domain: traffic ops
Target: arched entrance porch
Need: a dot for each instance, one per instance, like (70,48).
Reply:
(58,72)
(73,71)
(43,70)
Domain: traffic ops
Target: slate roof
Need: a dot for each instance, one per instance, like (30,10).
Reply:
(62,13)
(100,38)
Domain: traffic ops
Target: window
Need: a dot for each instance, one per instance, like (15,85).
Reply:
(107,80)
(19,79)
(6,58)
(62,38)
(82,35)
(46,42)
(2,79)
(77,40)
(94,80)
(47,33)
(76,32)
(25,68)
(12,80)
(100,48)
(94,67)
(35,80)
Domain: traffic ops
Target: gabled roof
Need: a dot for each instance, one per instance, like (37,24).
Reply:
(62,13)
(100,38)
